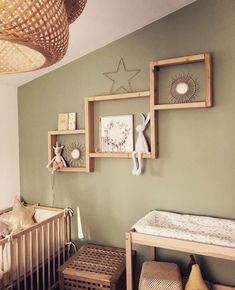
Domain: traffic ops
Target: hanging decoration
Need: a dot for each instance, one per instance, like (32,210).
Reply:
(184,88)
(74,154)
(121,78)
(35,34)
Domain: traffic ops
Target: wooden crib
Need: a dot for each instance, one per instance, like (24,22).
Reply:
(30,259)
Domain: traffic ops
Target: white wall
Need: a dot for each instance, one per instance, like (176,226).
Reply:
(9,146)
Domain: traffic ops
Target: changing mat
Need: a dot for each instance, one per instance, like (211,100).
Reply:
(201,229)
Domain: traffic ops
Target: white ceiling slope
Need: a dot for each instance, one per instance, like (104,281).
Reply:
(102,22)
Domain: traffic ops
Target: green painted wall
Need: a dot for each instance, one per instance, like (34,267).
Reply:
(195,172)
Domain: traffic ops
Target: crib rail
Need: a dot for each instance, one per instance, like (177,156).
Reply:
(29,260)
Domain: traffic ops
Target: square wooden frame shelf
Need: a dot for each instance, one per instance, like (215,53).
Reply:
(89,113)
(156,65)
(52,138)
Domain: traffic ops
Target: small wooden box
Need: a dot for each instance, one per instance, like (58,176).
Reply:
(94,267)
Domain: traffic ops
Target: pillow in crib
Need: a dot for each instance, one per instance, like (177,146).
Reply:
(20,217)
(5,230)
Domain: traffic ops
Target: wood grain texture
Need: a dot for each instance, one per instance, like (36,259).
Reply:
(180,106)
(153,112)
(179,60)
(208,79)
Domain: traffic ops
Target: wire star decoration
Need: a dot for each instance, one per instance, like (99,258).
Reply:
(122,77)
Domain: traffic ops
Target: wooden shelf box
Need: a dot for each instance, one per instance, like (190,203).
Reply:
(52,138)
(89,112)
(155,67)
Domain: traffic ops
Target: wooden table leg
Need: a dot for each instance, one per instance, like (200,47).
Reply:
(129,266)
(152,253)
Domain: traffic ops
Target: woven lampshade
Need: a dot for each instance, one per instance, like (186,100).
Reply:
(34,33)
(74,8)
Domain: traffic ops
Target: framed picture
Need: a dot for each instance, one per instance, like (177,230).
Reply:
(63,121)
(72,121)
(116,133)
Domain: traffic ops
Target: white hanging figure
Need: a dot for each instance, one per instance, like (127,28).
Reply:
(57,161)
(141,146)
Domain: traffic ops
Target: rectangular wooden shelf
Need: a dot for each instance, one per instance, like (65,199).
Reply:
(52,138)
(89,112)
(180,106)
(73,169)
(155,66)
(68,132)
(116,155)
(180,60)
(134,95)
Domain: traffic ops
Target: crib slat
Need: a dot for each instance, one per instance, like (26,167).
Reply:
(2,266)
(37,261)
(53,249)
(63,237)
(17,263)
(31,258)
(48,255)
(24,261)
(68,234)
(58,241)
(43,260)
(11,264)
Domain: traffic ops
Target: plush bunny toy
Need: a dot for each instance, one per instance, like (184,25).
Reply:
(57,161)
(141,146)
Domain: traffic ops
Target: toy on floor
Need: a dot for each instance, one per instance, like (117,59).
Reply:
(195,280)
(57,161)
(141,146)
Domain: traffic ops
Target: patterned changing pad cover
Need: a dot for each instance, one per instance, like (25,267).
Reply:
(202,229)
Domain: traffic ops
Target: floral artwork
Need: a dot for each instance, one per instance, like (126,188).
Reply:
(116,133)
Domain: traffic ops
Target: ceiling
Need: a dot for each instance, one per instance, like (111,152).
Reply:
(102,22)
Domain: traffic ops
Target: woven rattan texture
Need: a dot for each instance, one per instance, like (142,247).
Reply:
(34,34)
(40,25)
(74,8)
(160,276)
(98,260)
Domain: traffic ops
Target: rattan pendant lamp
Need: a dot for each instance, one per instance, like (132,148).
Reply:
(34,33)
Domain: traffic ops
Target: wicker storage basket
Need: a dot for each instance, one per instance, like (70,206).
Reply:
(160,276)
(94,268)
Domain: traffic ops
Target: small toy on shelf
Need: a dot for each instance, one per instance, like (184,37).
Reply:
(57,161)
(141,146)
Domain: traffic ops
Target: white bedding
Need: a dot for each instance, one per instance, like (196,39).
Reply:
(202,229)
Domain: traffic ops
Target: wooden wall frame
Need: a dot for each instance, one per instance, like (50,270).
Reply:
(155,66)
(154,107)
(89,124)
(52,138)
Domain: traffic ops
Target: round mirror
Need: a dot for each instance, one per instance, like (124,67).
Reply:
(75,153)
(182,88)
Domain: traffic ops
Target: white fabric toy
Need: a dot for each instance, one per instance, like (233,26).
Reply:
(141,146)
(57,161)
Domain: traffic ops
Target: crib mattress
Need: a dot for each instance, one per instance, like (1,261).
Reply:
(201,229)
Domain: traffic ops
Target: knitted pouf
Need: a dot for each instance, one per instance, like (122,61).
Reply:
(160,276)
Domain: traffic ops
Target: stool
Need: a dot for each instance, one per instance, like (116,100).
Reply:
(94,267)
(160,276)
